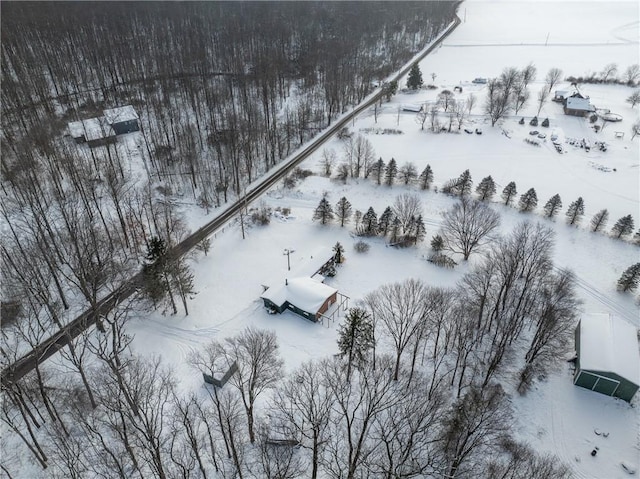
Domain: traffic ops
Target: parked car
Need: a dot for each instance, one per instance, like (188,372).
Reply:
(478,131)
(467,130)
(554,137)
(534,132)
(542,136)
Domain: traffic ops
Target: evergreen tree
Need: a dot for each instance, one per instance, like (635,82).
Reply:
(464,184)
(414,81)
(426,178)
(528,201)
(437,243)
(343,210)
(630,278)
(623,226)
(385,221)
(338,249)
(370,222)
(575,211)
(599,220)
(355,337)
(389,89)
(396,226)
(390,172)
(420,230)
(378,170)
(553,206)
(509,193)
(407,173)
(324,211)
(486,189)
(164,276)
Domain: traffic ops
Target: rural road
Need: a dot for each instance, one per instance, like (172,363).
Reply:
(60,339)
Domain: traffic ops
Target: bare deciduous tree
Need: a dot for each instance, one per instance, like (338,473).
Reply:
(468,226)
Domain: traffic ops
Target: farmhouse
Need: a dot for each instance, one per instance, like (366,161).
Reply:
(303,291)
(123,119)
(576,105)
(304,296)
(608,361)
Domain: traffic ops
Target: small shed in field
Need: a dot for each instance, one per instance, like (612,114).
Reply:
(123,119)
(578,106)
(608,360)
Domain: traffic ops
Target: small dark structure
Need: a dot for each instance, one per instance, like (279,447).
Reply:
(223,369)
(123,119)
(607,360)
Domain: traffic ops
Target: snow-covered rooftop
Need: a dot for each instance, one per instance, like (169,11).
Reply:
(575,103)
(91,129)
(305,293)
(313,264)
(609,344)
(122,113)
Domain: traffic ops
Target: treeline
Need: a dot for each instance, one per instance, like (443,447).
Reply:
(415,390)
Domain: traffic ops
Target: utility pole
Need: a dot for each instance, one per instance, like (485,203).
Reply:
(288,252)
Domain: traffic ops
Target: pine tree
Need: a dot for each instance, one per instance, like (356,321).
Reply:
(338,250)
(414,81)
(464,184)
(385,221)
(599,220)
(355,337)
(378,170)
(426,178)
(630,278)
(528,201)
(509,193)
(324,211)
(407,173)
(155,280)
(437,243)
(486,189)
(395,230)
(623,226)
(390,172)
(343,210)
(575,211)
(420,230)
(370,222)
(553,206)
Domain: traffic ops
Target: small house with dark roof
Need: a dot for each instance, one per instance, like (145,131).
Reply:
(123,119)
(607,359)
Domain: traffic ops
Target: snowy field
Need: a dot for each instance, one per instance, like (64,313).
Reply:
(580,38)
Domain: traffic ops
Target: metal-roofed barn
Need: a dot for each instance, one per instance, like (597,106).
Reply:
(608,360)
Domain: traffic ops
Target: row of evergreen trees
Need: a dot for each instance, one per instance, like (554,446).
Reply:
(528,201)
(405,231)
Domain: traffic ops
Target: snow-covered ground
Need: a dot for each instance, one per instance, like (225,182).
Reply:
(581,37)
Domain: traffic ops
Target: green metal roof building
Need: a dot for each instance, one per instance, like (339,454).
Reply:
(608,360)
